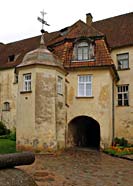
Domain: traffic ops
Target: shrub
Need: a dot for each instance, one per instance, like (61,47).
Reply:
(121,142)
(117,151)
(12,135)
(3,129)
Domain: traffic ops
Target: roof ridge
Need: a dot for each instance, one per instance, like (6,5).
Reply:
(22,40)
(113,17)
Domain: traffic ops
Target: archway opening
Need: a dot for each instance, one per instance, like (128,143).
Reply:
(84,131)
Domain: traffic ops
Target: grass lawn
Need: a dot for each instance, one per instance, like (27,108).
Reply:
(7,146)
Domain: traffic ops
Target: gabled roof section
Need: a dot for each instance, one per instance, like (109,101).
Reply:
(102,56)
(81,29)
(118,30)
(77,30)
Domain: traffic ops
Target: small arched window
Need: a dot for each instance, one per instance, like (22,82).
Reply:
(83,51)
(6,106)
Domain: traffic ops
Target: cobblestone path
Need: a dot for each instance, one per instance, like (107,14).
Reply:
(81,168)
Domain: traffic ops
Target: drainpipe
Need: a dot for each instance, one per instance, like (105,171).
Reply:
(113,111)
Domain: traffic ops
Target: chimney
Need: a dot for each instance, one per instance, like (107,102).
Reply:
(89,19)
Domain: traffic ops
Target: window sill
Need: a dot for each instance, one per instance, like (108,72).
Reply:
(60,94)
(15,82)
(123,69)
(84,97)
(123,105)
(6,110)
(25,92)
(67,105)
(83,60)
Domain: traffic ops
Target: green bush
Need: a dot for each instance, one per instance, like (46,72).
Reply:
(12,135)
(121,142)
(3,129)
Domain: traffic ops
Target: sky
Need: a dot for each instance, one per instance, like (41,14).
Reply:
(18,18)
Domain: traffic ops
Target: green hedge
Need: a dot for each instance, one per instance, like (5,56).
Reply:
(3,129)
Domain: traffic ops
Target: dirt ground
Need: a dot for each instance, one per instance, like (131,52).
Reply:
(78,167)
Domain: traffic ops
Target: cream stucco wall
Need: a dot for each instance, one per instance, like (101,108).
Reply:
(124,114)
(41,113)
(25,111)
(44,106)
(99,106)
(8,93)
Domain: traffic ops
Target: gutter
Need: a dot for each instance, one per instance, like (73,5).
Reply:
(113,111)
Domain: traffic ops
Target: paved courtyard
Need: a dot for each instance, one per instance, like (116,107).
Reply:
(81,168)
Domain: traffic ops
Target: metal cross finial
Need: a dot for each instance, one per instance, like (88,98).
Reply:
(42,21)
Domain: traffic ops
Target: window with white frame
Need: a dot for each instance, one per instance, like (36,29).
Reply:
(123,95)
(6,106)
(85,86)
(123,61)
(27,82)
(83,51)
(59,85)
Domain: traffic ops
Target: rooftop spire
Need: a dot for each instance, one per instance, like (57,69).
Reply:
(42,42)
(43,21)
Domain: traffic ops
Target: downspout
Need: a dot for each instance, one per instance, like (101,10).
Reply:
(113,111)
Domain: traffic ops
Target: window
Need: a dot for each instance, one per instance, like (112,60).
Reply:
(123,99)
(85,86)
(27,82)
(123,61)
(83,51)
(6,106)
(11,58)
(59,85)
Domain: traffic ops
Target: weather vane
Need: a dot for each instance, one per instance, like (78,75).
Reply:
(42,21)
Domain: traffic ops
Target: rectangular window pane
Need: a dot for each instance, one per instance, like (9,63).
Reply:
(126,102)
(27,82)
(120,102)
(81,89)
(125,64)
(88,89)
(80,54)
(123,99)
(85,53)
(85,86)
(81,78)
(123,61)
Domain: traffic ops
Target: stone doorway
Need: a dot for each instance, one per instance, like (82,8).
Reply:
(84,131)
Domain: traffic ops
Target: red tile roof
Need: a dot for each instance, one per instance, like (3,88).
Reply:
(20,48)
(118,30)
(102,56)
(61,43)
(81,29)
(77,30)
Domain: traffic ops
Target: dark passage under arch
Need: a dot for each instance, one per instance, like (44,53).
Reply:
(84,131)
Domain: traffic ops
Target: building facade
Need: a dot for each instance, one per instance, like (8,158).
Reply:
(77,91)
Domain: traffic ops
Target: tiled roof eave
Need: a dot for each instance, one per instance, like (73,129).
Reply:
(120,46)
(96,67)
(87,66)
(40,64)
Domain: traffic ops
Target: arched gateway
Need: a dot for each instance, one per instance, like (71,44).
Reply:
(84,131)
